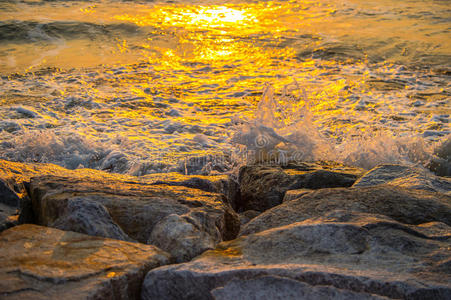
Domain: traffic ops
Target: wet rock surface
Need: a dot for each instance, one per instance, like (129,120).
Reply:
(9,204)
(310,230)
(405,176)
(340,255)
(263,187)
(137,209)
(404,205)
(44,263)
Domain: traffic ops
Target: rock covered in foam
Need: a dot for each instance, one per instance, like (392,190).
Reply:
(44,263)
(264,186)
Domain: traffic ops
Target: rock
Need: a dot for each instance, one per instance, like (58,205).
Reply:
(402,204)
(275,287)
(263,187)
(134,204)
(18,175)
(294,194)
(9,204)
(7,195)
(8,216)
(90,218)
(222,184)
(140,210)
(182,236)
(405,176)
(341,255)
(45,263)
(248,215)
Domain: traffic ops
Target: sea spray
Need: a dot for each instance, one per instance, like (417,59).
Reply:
(284,131)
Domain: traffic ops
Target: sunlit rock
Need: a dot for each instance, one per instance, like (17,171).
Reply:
(405,176)
(341,255)
(45,263)
(263,187)
(404,205)
(294,194)
(138,208)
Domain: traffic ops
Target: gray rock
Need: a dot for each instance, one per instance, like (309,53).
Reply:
(404,205)
(294,194)
(7,195)
(9,204)
(8,217)
(222,184)
(137,208)
(248,215)
(275,287)
(405,176)
(132,204)
(263,187)
(90,218)
(45,263)
(183,236)
(341,255)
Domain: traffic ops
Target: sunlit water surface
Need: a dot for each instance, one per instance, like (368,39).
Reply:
(144,87)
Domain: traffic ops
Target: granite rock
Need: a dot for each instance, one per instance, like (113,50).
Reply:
(45,263)
(263,186)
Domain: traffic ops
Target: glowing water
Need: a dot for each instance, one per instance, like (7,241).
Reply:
(144,87)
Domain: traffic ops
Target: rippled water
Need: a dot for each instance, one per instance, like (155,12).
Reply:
(142,87)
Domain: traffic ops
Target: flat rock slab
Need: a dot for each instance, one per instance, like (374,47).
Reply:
(44,263)
(409,206)
(405,176)
(16,174)
(341,255)
(183,221)
(263,186)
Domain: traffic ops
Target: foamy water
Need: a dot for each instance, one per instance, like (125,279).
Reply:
(198,87)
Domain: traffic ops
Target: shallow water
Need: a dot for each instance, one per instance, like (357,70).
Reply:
(141,87)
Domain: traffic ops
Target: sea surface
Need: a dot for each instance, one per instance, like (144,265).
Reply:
(200,87)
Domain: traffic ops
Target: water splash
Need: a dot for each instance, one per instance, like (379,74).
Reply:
(284,130)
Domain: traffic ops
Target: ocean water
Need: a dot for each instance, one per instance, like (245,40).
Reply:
(200,87)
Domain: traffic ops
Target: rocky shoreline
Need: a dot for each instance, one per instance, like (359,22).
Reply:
(300,231)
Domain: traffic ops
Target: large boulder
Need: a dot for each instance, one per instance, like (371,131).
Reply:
(183,221)
(340,255)
(405,176)
(18,175)
(264,186)
(404,205)
(45,263)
